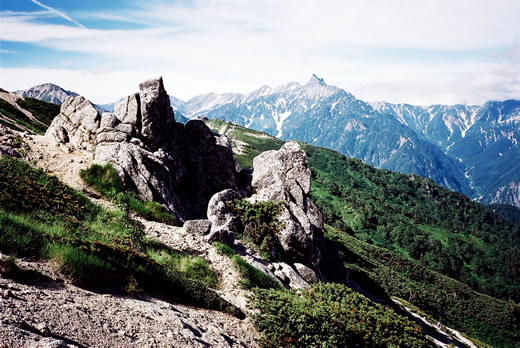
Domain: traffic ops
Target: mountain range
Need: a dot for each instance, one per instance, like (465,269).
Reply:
(467,148)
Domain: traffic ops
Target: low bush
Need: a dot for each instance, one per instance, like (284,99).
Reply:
(330,315)
(252,277)
(224,249)
(260,220)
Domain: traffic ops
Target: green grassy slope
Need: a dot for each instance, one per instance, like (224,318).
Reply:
(41,218)
(43,112)
(423,231)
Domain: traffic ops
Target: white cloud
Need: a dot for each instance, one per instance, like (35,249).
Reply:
(238,45)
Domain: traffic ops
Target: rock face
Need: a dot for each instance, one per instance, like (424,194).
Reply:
(179,166)
(285,176)
(224,224)
(157,115)
(77,124)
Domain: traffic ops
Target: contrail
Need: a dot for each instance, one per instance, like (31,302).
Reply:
(61,14)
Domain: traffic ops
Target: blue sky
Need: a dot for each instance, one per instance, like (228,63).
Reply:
(414,51)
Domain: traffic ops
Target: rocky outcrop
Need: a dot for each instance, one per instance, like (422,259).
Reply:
(285,176)
(180,166)
(200,226)
(76,125)
(11,143)
(306,273)
(224,223)
(156,112)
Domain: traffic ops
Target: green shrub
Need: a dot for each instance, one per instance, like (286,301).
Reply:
(20,118)
(103,179)
(43,111)
(330,315)
(252,277)
(224,249)
(260,221)
(489,319)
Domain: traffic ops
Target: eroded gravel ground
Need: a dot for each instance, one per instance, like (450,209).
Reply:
(44,311)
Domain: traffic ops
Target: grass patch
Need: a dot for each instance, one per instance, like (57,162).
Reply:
(224,249)
(105,180)
(94,247)
(330,315)
(193,267)
(252,277)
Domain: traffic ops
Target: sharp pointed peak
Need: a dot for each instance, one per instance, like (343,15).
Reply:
(316,81)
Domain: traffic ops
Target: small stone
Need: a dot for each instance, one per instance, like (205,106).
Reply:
(42,327)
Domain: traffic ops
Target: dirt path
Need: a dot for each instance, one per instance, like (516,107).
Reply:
(45,311)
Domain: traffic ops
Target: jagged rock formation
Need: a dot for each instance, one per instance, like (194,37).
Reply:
(76,125)
(282,176)
(285,176)
(181,166)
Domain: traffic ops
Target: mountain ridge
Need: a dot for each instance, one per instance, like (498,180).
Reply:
(442,142)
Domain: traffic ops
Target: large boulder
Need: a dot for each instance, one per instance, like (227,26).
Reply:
(285,176)
(129,111)
(77,124)
(224,223)
(288,276)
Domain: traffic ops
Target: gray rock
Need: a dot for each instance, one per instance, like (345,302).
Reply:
(77,123)
(289,276)
(8,145)
(306,273)
(285,176)
(200,226)
(111,137)
(180,167)
(129,111)
(143,171)
(108,120)
(157,114)
(224,224)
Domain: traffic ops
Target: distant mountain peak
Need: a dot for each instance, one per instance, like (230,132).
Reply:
(316,81)
(48,92)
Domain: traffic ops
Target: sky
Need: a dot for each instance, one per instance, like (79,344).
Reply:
(419,52)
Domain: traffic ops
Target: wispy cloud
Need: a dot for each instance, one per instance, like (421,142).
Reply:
(238,45)
(59,13)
